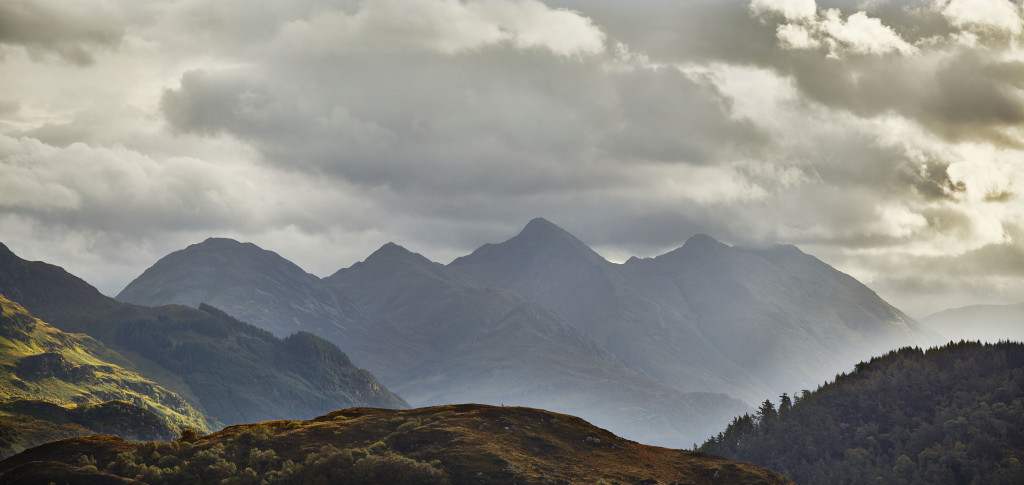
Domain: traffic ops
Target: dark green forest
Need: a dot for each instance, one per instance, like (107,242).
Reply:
(948,415)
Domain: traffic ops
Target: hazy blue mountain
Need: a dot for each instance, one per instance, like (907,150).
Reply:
(247,282)
(990,323)
(543,320)
(451,342)
(231,371)
(706,316)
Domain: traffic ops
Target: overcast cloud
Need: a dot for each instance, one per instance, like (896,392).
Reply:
(883,136)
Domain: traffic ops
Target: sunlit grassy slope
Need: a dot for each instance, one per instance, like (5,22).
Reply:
(55,384)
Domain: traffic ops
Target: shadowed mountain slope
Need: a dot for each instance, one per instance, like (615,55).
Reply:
(230,370)
(245,281)
(707,316)
(437,445)
(491,346)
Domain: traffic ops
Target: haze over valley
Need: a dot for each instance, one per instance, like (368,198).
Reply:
(664,350)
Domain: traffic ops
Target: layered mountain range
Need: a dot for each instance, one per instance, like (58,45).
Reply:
(228,370)
(662,349)
(991,323)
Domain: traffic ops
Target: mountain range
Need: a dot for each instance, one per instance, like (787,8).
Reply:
(663,349)
(230,371)
(990,323)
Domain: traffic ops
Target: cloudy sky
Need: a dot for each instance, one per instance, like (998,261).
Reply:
(883,136)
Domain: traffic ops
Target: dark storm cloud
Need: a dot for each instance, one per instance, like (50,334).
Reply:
(498,121)
(975,96)
(971,94)
(666,116)
(691,31)
(71,31)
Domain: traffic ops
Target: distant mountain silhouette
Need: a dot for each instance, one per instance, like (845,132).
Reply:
(230,370)
(247,282)
(991,323)
(441,341)
(543,320)
(706,316)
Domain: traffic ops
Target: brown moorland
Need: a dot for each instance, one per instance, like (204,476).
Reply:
(456,444)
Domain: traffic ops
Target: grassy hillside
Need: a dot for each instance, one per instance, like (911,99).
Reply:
(54,385)
(438,445)
(953,415)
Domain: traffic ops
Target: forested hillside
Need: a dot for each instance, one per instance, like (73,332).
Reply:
(953,414)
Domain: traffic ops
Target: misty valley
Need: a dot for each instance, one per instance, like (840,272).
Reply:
(533,360)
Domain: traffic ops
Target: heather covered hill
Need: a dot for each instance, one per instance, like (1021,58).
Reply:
(55,385)
(437,445)
(231,371)
(953,414)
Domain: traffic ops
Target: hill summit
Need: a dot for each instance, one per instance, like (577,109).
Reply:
(436,445)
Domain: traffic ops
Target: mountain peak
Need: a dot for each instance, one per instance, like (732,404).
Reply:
(389,249)
(540,229)
(216,270)
(222,241)
(539,239)
(702,241)
(394,252)
(390,259)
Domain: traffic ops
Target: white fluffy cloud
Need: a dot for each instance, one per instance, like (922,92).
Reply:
(858,33)
(790,9)
(998,15)
(862,34)
(446,26)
